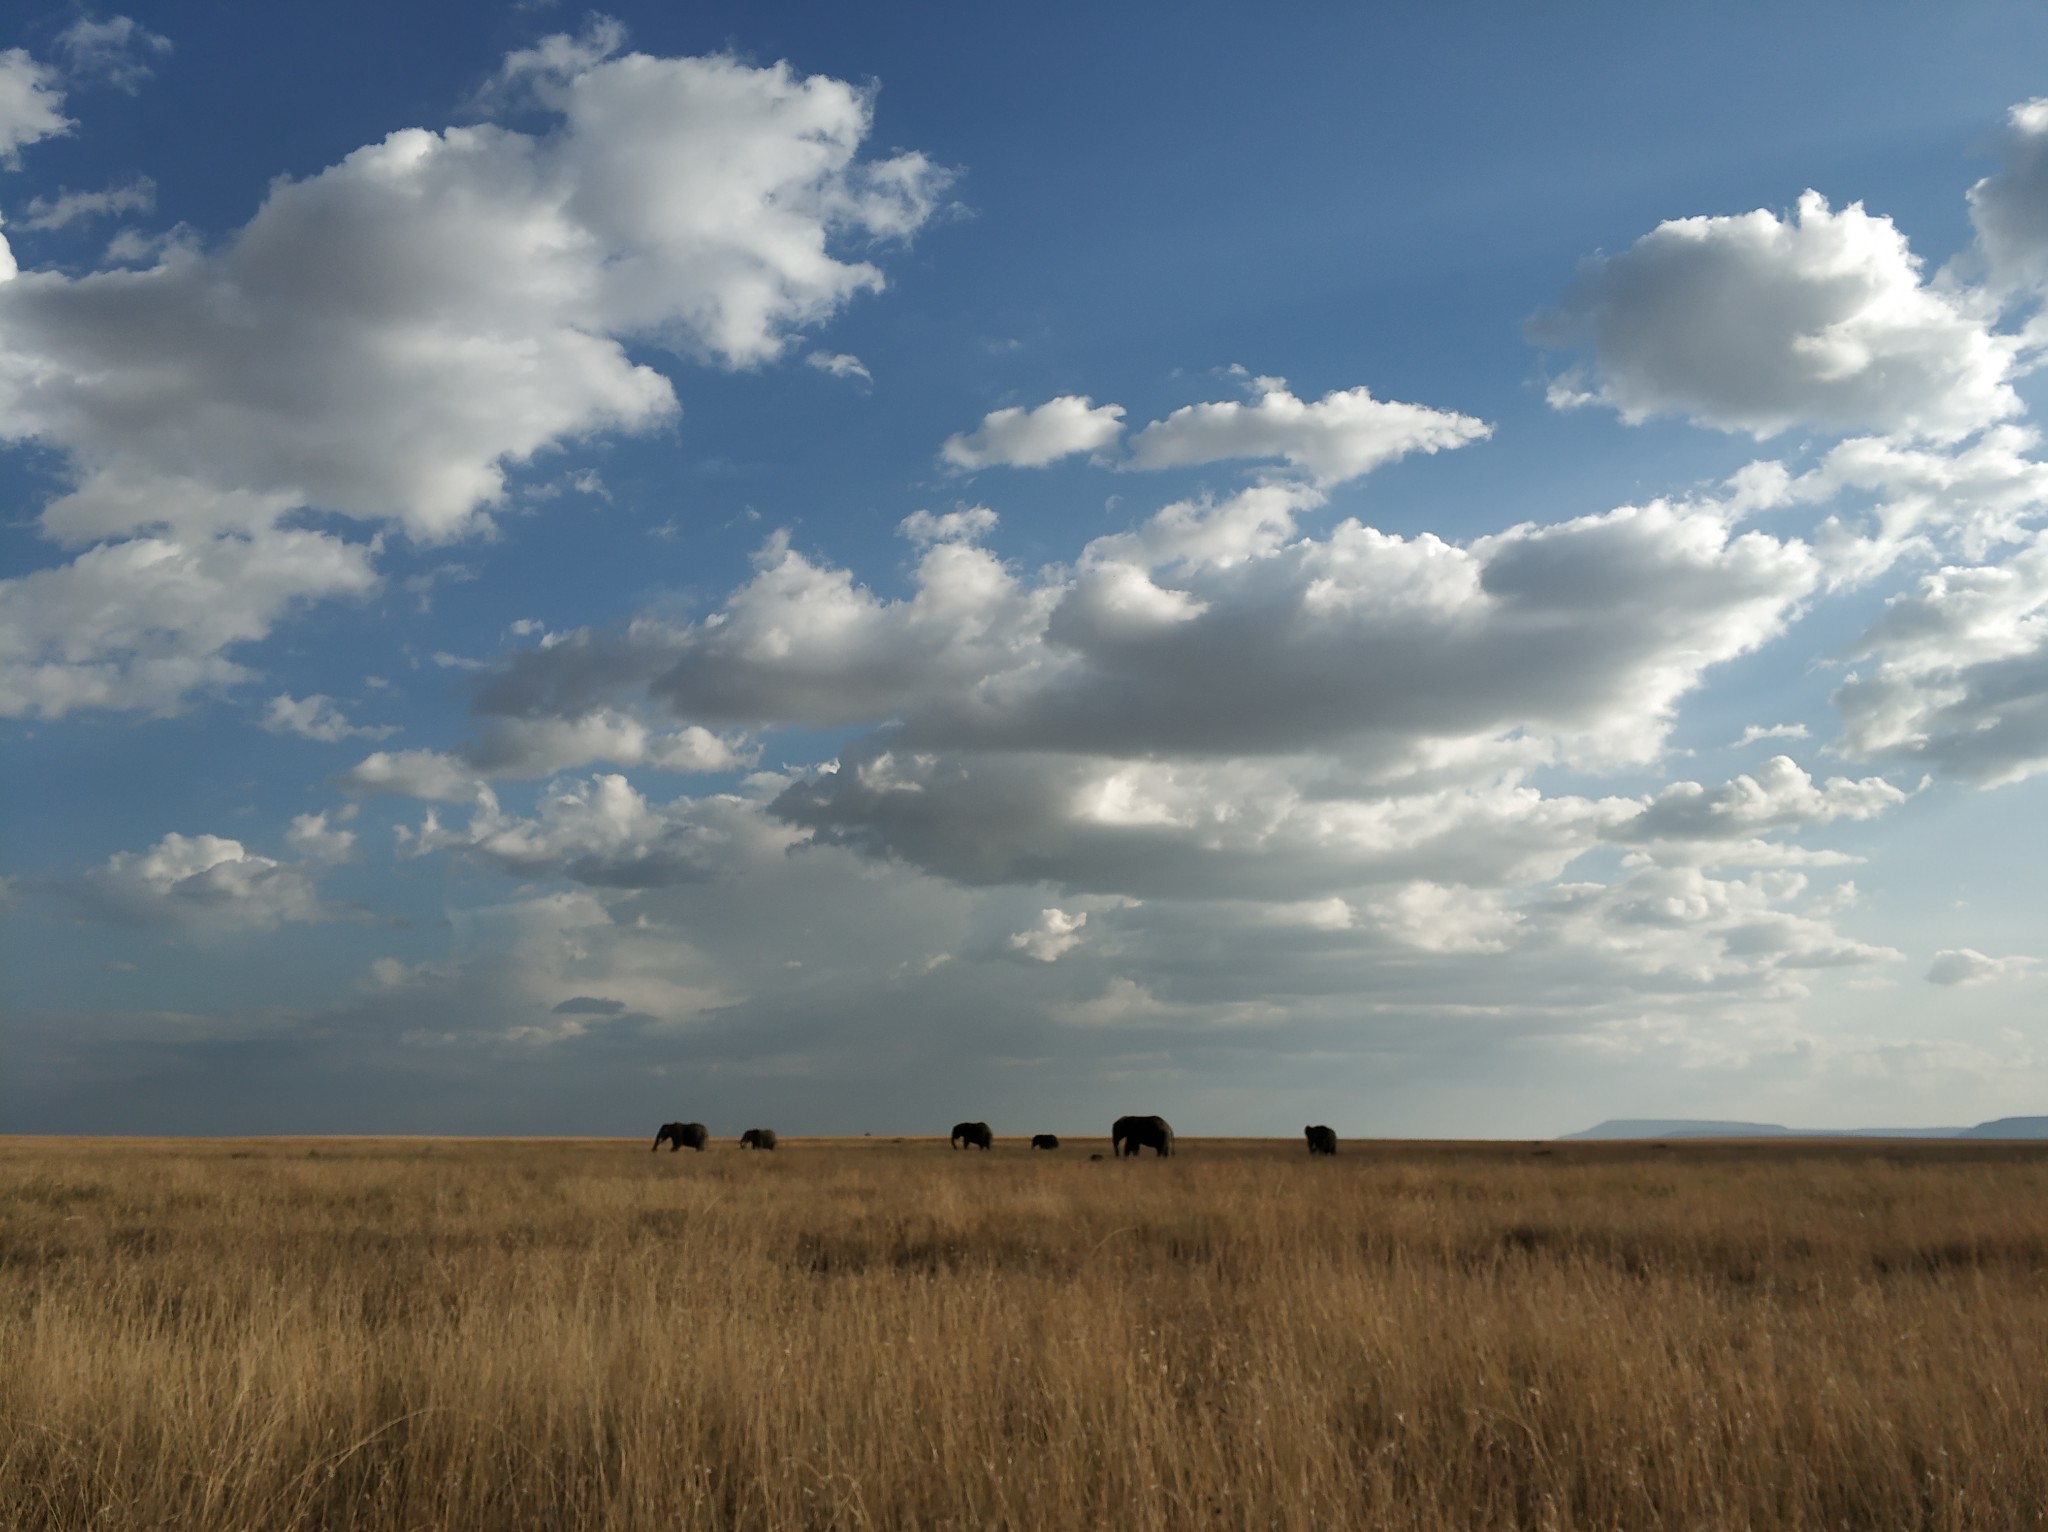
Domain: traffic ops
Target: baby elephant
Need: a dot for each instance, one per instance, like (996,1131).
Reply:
(1045,1141)
(758,1138)
(1321,1140)
(682,1135)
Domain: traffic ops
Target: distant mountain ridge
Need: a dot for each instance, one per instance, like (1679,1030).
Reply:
(1686,1127)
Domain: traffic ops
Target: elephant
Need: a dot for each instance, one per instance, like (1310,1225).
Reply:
(1321,1140)
(1045,1140)
(758,1138)
(1134,1133)
(682,1135)
(972,1135)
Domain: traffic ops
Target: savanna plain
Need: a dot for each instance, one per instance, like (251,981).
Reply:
(397,1334)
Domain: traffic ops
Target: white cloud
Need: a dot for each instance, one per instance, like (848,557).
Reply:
(413,774)
(1967,966)
(1021,438)
(116,51)
(389,338)
(1759,731)
(201,883)
(143,623)
(316,717)
(838,364)
(135,196)
(1055,933)
(604,833)
(318,842)
(1779,796)
(2010,206)
(1342,435)
(31,110)
(968,524)
(1961,677)
(1759,323)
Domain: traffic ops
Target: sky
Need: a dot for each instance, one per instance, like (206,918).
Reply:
(1451,571)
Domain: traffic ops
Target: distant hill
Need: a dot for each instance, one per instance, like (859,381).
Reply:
(2008,1127)
(1690,1127)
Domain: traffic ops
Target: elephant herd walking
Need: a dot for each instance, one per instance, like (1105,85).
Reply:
(1128,1137)
(694,1135)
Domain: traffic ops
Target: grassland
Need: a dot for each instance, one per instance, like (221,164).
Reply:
(408,1334)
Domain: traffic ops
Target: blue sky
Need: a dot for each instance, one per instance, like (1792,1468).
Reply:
(1450,571)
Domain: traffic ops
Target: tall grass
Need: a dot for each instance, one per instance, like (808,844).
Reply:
(406,1334)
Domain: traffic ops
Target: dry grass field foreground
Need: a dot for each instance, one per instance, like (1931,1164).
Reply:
(888,1334)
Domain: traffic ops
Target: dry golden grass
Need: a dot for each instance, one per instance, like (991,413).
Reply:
(407,1334)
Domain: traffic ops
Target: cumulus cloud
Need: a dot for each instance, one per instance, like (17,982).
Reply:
(1759,323)
(1021,438)
(1779,796)
(966,525)
(389,338)
(201,883)
(316,717)
(1955,966)
(1961,673)
(1055,933)
(31,110)
(1342,435)
(603,832)
(2010,206)
(318,842)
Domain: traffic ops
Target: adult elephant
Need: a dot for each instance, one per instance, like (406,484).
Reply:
(1321,1140)
(972,1135)
(1045,1140)
(1132,1134)
(682,1135)
(758,1138)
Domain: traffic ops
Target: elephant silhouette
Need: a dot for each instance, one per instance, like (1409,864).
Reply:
(1132,1134)
(1045,1140)
(972,1135)
(1321,1140)
(682,1135)
(758,1138)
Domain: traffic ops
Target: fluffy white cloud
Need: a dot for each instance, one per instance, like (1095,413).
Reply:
(142,623)
(316,841)
(1055,933)
(1779,796)
(1961,675)
(386,339)
(1967,966)
(1342,435)
(201,883)
(968,524)
(316,717)
(1021,438)
(427,774)
(604,833)
(1759,323)
(2010,206)
(31,110)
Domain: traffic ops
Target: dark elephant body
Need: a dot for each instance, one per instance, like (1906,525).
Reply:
(758,1138)
(1321,1140)
(1045,1141)
(1132,1134)
(682,1135)
(972,1135)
